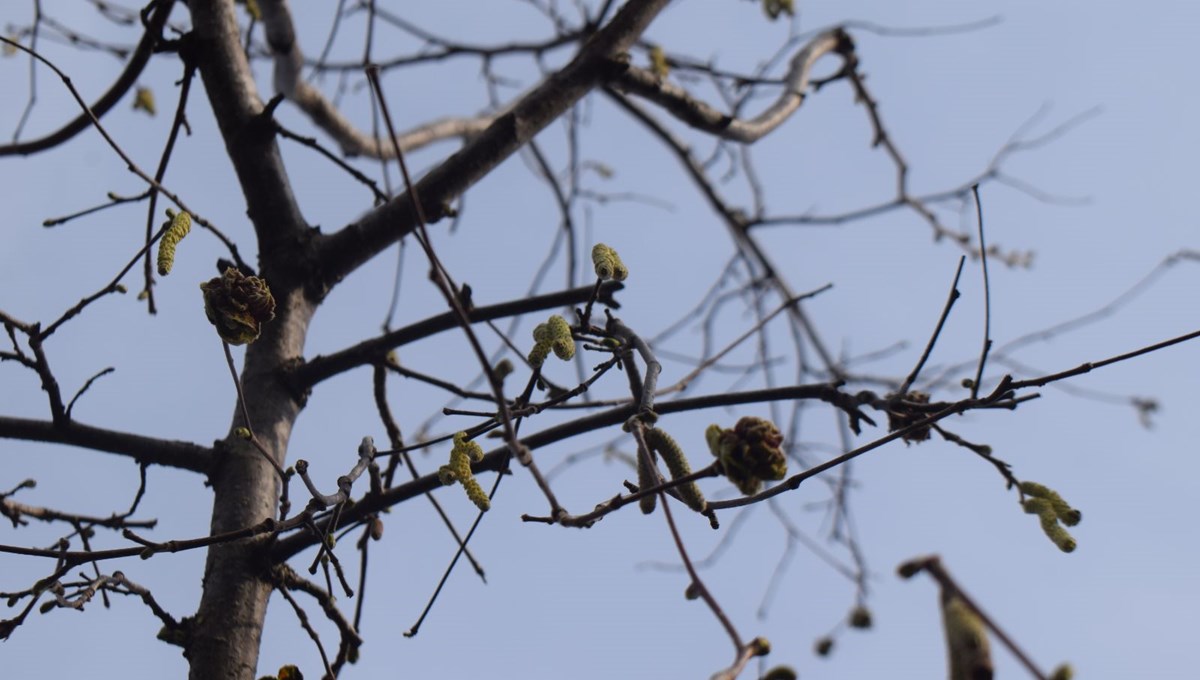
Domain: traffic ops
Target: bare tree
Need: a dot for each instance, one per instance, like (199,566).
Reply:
(521,363)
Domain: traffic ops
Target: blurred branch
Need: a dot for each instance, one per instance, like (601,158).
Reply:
(141,56)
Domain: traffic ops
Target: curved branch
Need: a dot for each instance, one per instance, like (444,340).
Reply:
(141,56)
(148,450)
(289,61)
(698,114)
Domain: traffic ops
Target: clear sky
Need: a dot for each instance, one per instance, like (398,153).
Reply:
(1119,199)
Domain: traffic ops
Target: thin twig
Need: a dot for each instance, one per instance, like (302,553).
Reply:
(237,384)
(411,632)
(302,617)
(937,331)
(85,387)
(987,297)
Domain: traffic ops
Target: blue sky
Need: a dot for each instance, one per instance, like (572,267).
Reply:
(587,604)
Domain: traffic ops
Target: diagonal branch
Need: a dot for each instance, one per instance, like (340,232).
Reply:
(596,63)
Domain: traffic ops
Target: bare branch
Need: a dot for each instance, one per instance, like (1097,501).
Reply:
(148,450)
(704,117)
(368,351)
(141,56)
(597,62)
(289,61)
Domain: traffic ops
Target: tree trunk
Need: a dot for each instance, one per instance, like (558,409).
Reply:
(223,640)
(225,634)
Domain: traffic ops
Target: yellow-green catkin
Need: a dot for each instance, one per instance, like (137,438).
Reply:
(1063,510)
(647,478)
(1063,672)
(143,100)
(503,369)
(554,335)
(181,224)
(967,647)
(666,446)
(537,355)
(459,470)
(560,338)
(1051,509)
(608,263)
(658,62)
(253,10)
(1056,533)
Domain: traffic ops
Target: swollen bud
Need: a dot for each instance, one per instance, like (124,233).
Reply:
(749,453)
(910,569)
(238,305)
(860,618)
(781,673)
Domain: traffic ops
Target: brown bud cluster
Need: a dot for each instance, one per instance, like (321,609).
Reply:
(901,415)
(238,305)
(750,453)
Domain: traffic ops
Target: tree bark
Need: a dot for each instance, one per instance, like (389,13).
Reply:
(224,636)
